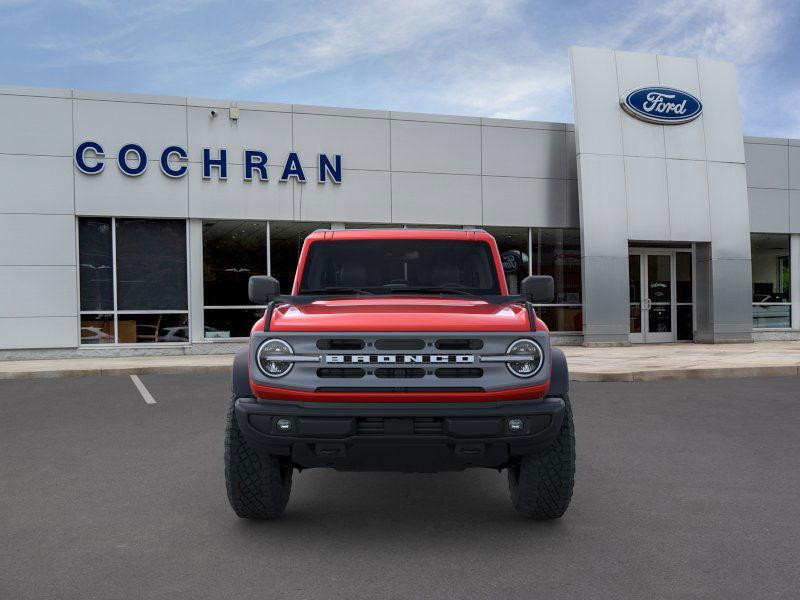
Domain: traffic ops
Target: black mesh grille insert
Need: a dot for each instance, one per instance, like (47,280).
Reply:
(329,373)
(427,426)
(399,372)
(419,426)
(450,373)
(400,344)
(459,344)
(340,344)
(370,426)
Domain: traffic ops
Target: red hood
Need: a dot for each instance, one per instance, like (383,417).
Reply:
(400,314)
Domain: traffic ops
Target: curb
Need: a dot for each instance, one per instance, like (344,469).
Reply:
(685,374)
(576,375)
(115,371)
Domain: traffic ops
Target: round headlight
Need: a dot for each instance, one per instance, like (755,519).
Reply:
(533,361)
(269,366)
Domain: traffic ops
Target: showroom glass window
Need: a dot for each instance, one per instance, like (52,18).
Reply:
(512,242)
(286,241)
(772,306)
(557,252)
(541,251)
(233,251)
(133,281)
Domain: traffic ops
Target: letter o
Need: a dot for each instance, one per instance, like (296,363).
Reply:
(122,160)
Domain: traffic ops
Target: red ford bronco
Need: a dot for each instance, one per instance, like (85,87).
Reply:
(400,350)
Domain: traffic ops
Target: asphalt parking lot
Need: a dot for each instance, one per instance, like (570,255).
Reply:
(683,490)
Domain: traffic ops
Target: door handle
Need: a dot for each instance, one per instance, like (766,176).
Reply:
(648,304)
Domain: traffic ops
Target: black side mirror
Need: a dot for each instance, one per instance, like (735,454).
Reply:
(539,289)
(262,289)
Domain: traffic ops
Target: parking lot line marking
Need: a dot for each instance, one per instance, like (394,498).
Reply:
(148,397)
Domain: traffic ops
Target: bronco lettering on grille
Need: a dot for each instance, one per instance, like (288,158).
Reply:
(399,358)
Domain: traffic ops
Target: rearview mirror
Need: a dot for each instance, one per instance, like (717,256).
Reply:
(538,289)
(262,288)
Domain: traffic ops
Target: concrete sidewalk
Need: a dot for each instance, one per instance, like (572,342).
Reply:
(633,363)
(655,362)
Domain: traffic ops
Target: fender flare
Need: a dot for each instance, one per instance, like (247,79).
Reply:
(559,378)
(240,377)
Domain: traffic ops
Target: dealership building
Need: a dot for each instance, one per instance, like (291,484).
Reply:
(130,224)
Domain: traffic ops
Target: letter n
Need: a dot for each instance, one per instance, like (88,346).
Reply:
(328,169)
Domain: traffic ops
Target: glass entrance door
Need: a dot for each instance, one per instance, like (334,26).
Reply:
(660,296)
(658,302)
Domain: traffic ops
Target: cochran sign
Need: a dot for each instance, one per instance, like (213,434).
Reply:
(173,160)
(663,105)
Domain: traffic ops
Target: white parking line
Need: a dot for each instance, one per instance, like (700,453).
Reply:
(148,397)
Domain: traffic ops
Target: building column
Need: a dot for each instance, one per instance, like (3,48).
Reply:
(195,251)
(605,277)
(794,262)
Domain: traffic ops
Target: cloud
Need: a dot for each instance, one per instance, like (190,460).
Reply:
(738,30)
(504,58)
(357,31)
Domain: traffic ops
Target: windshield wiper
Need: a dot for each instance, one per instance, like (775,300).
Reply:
(336,290)
(431,290)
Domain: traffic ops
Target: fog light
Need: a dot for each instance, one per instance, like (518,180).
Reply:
(516,424)
(283,424)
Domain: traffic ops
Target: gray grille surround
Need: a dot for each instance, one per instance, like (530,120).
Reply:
(303,375)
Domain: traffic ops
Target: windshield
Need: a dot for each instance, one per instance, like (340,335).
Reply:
(398,267)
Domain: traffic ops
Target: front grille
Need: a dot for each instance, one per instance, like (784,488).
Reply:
(385,365)
(399,373)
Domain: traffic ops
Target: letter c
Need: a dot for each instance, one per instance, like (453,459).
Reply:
(80,158)
(166,168)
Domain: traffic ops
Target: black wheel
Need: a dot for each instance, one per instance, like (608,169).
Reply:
(258,484)
(541,483)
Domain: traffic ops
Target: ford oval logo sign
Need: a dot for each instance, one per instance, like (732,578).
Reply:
(662,105)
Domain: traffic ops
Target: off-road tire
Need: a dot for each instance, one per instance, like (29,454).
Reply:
(258,484)
(541,483)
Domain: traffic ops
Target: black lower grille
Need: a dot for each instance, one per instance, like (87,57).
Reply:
(427,426)
(370,426)
(415,426)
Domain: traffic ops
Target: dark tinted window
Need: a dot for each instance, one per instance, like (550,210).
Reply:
(286,241)
(557,252)
(233,251)
(151,264)
(389,266)
(96,264)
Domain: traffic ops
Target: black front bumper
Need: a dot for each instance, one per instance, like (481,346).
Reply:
(415,437)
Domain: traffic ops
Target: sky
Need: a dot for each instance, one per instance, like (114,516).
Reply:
(492,58)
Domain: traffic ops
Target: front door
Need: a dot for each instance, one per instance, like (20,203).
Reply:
(660,295)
